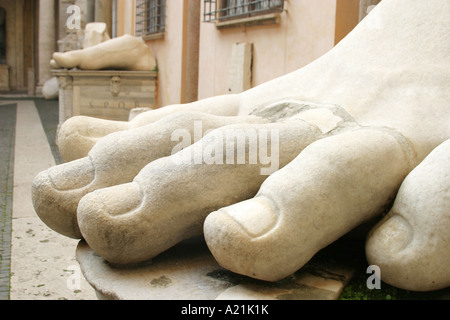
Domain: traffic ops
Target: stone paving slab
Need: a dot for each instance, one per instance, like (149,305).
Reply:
(44,265)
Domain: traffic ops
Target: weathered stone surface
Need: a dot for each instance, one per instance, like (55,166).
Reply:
(186,195)
(377,105)
(411,245)
(57,191)
(136,111)
(298,212)
(188,271)
(104,94)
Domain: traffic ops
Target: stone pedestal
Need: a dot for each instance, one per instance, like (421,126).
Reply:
(106,94)
(188,271)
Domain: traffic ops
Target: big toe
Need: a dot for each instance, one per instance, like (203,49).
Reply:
(392,235)
(56,192)
(63,60)
(411,245)
(109,220)
(242,239)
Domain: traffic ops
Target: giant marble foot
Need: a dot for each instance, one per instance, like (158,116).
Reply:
(333,186)
(378,105)
(170,198)
(114,160)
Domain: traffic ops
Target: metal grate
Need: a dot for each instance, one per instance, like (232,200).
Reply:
(214,10)
(150,16)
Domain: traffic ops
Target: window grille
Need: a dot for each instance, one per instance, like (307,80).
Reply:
(150,17)
(220,10)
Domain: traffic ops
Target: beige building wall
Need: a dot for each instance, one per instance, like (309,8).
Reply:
(305,32)
(168,53)
(194,58)
(125,17)
(176,50)
(347,17)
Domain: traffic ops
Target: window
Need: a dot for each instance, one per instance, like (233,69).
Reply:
(221,10)
(150,17)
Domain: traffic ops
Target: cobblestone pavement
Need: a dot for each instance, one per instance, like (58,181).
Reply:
(37,263)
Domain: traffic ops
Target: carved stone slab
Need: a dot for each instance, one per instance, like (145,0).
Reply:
(189,271)
(106,94)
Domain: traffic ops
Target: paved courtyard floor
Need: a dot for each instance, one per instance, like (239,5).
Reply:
(36,263)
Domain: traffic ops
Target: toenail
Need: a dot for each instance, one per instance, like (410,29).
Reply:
(120,199)
(394,234)
(72,175)
(256,216)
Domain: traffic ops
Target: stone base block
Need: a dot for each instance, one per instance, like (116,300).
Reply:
(106,94)
(188,271)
